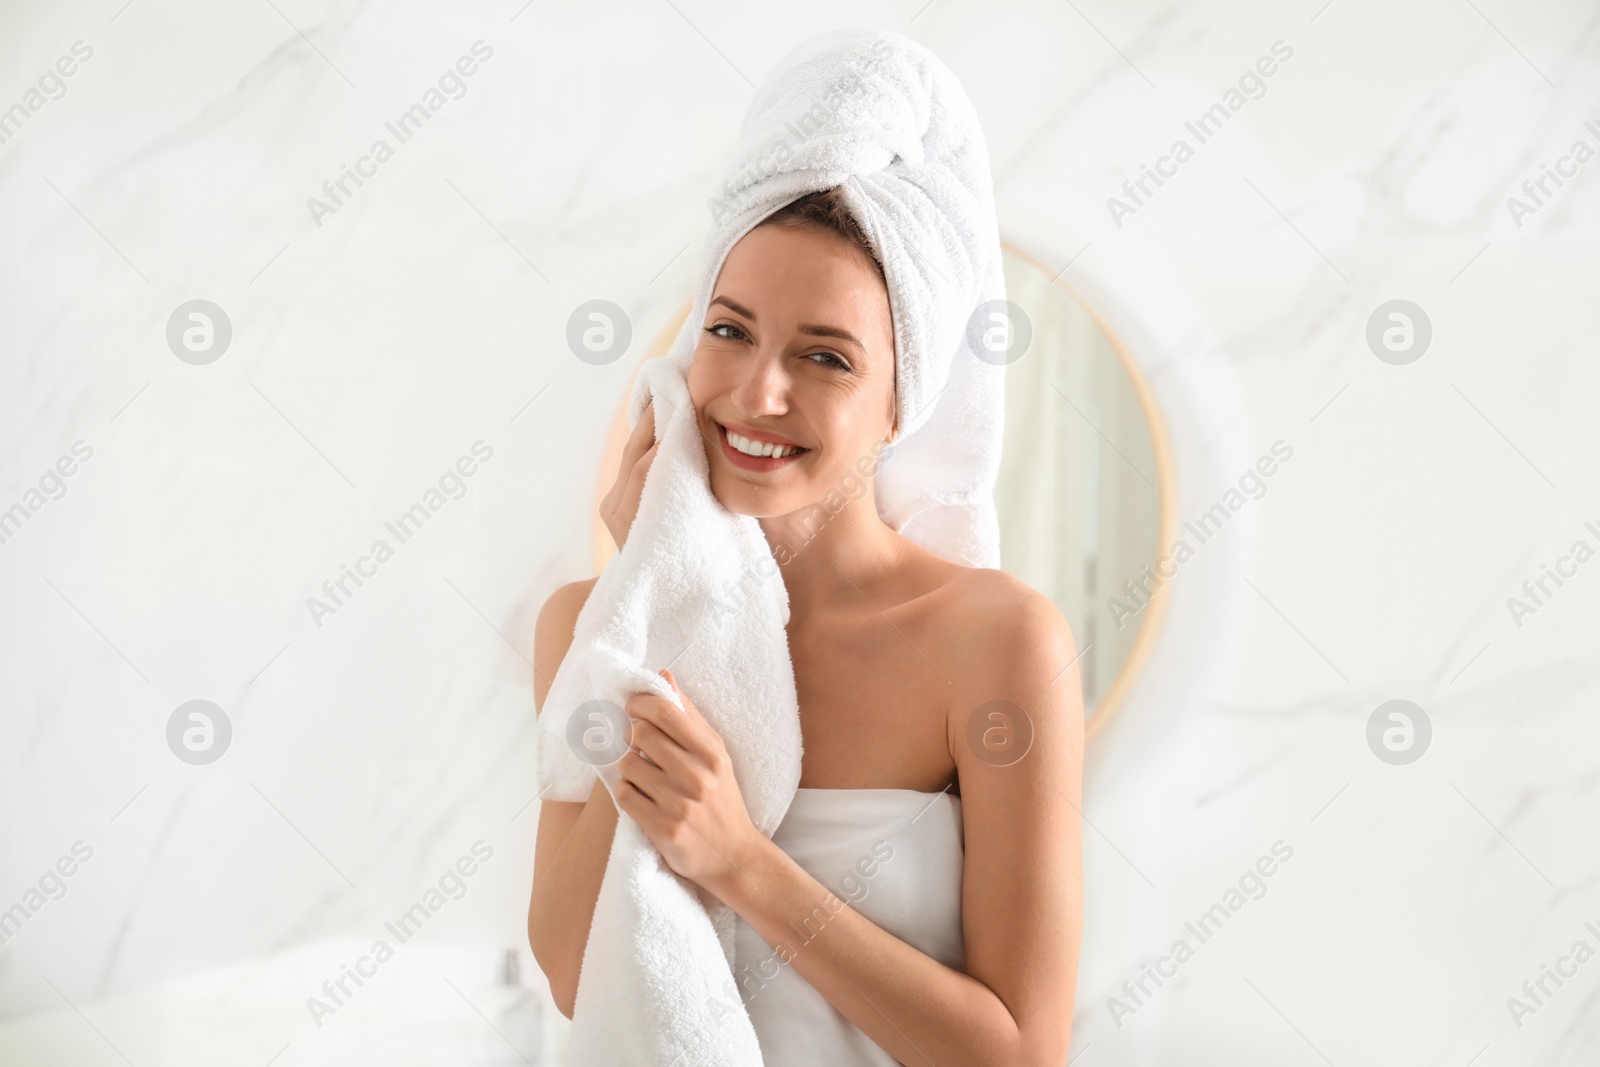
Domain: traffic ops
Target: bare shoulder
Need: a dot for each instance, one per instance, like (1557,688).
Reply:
(1013,664)
(552,635)
(1007,623)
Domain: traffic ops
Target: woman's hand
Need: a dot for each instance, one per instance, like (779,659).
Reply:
(621,504)
(684,796)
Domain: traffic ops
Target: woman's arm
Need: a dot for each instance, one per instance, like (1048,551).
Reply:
(1021,887)
(574,839)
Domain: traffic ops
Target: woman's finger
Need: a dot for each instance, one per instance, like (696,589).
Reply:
(647,419)
(663,751)
(643,435)
(688,731)
(634,803)
(638,442)
(641,467)
(643,775)
(621,502)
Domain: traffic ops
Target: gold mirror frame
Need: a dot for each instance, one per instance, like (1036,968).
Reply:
(1152,617)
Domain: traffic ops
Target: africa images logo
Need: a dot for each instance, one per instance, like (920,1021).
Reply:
(336,192)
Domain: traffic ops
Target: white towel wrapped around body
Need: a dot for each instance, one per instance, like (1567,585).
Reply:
(882,117)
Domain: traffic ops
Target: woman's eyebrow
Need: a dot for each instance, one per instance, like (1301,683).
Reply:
(808,328)
(832,331)
(737,309)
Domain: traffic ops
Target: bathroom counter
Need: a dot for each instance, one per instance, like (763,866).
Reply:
(426,1005)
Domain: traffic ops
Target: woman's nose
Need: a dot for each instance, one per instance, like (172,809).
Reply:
(763,386)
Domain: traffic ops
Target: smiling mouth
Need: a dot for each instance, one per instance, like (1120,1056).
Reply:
(755,454)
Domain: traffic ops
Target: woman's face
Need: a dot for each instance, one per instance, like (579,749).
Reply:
(797,350)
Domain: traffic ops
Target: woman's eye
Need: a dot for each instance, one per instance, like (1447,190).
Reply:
(723,326)
(824,357)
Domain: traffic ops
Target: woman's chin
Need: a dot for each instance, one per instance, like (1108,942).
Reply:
(743,504)
(754,501)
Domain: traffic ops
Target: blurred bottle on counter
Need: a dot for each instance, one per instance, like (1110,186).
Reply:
(516,1015)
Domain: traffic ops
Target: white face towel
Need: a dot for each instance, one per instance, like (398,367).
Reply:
(696,587)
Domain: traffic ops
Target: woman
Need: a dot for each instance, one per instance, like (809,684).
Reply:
(904,664)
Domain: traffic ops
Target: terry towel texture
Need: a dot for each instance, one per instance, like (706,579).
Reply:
(696,586)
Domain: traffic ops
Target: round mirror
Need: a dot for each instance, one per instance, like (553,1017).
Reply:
(1085,495)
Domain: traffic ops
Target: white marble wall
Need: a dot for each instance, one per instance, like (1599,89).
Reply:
(372,347)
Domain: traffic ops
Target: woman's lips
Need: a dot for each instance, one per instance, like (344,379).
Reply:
(745,461)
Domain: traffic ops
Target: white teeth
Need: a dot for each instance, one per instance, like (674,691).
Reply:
(759,448)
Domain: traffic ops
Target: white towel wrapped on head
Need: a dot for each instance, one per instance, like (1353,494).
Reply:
(881,117)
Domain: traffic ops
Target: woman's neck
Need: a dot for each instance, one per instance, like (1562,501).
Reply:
(825,556)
